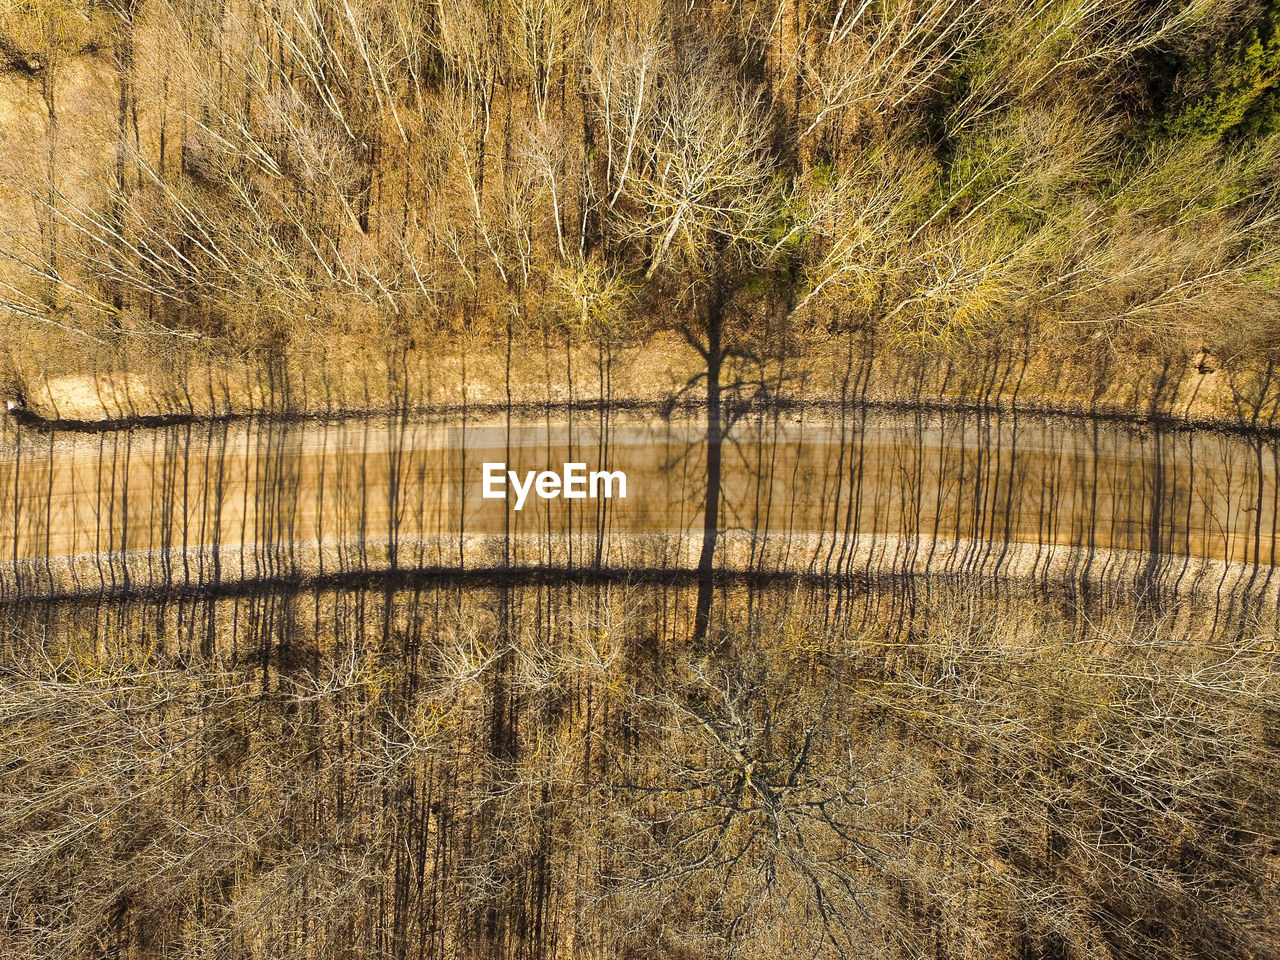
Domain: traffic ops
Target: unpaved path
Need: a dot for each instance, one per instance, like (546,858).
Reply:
(813,493)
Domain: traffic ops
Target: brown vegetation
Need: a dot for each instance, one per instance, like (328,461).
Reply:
(286,185)
(540,772)
(390,206)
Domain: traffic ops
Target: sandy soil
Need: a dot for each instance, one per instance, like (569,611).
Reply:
(206,506)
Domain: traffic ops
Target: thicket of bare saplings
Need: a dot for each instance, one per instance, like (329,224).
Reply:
(373,179)
(552,772)
(363,199)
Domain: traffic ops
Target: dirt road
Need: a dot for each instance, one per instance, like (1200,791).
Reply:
(823,493)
